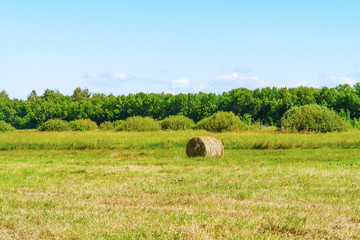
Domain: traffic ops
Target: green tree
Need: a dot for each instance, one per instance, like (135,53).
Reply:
(4,95)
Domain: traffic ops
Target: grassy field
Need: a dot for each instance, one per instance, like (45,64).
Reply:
(120,185)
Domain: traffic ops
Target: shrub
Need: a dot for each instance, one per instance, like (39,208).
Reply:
(55,125)
(312,118)
(107,125)
(257,126)
(222,121)
(140,124)
(83,125)
(5,127)
(247,118)
(177,122)
(355,123)
(117,123)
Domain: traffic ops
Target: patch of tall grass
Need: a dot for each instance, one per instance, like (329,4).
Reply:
(35,140)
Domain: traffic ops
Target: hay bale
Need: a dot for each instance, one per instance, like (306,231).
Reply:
(206,146)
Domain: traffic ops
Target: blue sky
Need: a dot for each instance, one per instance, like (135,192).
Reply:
(123,47)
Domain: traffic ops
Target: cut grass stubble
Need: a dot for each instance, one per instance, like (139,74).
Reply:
(131,186)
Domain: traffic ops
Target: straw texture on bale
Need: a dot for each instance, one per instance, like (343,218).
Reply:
(206,146)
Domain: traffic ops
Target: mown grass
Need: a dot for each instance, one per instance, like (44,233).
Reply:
(101,185)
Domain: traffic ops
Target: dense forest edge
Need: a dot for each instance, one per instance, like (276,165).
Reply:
(265,106)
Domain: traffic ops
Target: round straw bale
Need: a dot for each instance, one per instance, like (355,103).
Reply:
(206,146)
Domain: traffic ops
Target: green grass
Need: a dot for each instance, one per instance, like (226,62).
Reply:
(111,185)
(92,140)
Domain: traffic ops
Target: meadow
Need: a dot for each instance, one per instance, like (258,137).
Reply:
(127,185)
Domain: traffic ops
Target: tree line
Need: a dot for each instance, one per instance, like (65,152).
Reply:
(266,105)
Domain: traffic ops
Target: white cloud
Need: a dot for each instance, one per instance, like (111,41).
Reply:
(236,77)
(105,79)
(184,85)
(105,76)
(172,92)
(342,80)
(90,75)
(235,80)
(304,83)
(229,77)
(198,88)
(180,83)
(119,76)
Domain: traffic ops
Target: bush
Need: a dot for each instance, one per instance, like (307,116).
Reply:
(140,124)
(222,121)
(312,118)
(55,125)
(107,126)
(257,126)
(177,122)
(117,123)
(83,125)
(355,123)
(5,127)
